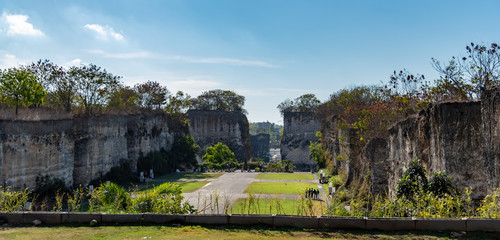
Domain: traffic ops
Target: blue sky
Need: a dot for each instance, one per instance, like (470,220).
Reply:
(267,50)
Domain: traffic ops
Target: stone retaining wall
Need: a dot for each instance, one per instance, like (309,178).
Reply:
(325,223)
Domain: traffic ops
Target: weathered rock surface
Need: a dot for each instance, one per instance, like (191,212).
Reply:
(211,127)
(461,138)
(299,130)
(77,150)
(260,146)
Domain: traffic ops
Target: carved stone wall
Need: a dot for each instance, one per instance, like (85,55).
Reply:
(211,127)
(77,150)
(299,130)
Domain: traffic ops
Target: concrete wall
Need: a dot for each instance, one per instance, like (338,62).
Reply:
(322,223)
(77,150)
(211,127)
(299,130)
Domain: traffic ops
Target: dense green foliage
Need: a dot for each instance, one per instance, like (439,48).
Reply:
(219,100)
(318,153)
(280,166)
(181,156)
(413,181)
(274,130)
(119,174)
(219,157)
(90,89)
(304,103)
(151,94)
(19,87)
(93,86)
(166,198)
(47,187)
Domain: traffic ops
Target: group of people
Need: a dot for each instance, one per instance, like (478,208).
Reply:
(312,193)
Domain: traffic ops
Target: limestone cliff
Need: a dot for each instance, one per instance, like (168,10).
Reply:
(230,128)
(445,137)
(299,130)
(78,149)
(461,138)
(260,146)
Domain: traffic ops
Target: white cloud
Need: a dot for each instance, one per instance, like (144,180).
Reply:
(104,32)
(19,25)
(194,85)
(75,62)
(9,61)
(186,59)
(132,55)
(227,61)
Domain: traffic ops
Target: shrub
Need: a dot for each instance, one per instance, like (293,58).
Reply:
(440,184)
(166,198)
(413,181)
(280,166)
(11,201)
(47,187)
(120,175)
(490,205)
(112,197)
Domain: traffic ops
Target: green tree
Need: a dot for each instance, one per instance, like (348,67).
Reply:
(305,103)
(20,87)
(60,86)
(219,156)
(413,181)
(94,86)
(123,97)
(220,100)
(178,103)
(152,94)
(184,151)
(318,153)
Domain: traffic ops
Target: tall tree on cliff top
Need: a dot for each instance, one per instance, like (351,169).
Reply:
(124,97)
(305,103)
(152,94)
(93,86)
(20,87)
(220,100)
(466,78)
(55,79)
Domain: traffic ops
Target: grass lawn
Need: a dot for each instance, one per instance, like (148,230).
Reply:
(270,206)
(217,232)
(187,187)
(176,176)
(279,187)
(291,176)
(325,186)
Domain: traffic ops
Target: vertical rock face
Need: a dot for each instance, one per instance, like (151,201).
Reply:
(376,154)
(211,127)
(31,149)
(446,137)
(260,146)
(461,138)
(77,150)
(490,108)
(105,142)
(299,130)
